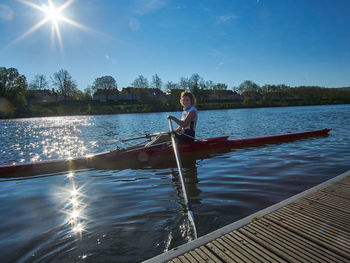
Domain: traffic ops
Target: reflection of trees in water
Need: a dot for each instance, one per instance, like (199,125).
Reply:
(191,179)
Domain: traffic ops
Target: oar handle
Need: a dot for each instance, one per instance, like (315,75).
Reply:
(171,125)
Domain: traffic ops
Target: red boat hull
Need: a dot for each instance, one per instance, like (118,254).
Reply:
(154,155)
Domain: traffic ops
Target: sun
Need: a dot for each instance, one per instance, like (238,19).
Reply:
(54,15)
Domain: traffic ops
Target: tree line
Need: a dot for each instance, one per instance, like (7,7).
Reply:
(14,91)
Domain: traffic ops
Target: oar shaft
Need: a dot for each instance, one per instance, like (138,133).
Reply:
(144,136)
(182,178)
(179,165)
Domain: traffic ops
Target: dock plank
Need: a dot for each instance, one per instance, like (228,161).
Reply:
(273,247)
(235,246)
(320,232)
(207,255)
(197,257)
(313,226)
(259,252)
(222,252)
(338,190)
(190,258)
(299,243)
(318,211)
(328,199)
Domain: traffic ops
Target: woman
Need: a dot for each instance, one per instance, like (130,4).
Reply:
(187,125)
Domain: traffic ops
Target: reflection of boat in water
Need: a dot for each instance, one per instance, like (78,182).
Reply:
(160,155)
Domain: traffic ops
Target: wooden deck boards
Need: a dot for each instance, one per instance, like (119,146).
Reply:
(314,228)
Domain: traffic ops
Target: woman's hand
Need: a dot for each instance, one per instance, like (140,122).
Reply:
(170,117)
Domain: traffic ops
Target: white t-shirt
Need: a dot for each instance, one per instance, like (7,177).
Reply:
(192,125)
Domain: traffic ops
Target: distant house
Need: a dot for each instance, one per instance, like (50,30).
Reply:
(155,93)
(142,94)
(129,93)
(106,94)
(252,95)
(174,92)
(46,95)
(224,95)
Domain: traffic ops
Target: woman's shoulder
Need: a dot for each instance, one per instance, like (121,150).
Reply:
(193,108)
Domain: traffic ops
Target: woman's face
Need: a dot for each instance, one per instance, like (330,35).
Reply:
(186,101)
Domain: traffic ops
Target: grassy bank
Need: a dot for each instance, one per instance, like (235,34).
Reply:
(67,108)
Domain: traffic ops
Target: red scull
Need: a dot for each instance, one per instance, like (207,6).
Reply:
(137,156)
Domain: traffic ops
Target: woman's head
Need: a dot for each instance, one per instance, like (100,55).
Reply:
(187,99)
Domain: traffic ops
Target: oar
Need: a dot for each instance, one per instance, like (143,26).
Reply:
(182,179)
(144,136)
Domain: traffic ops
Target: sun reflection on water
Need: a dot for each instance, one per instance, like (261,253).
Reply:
(75,206)
(32,140)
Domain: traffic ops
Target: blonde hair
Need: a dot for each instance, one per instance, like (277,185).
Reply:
(188,94)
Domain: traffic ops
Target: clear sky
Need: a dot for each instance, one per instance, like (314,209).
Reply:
(293,42)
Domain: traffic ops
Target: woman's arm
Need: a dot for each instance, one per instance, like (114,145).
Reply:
(191,116)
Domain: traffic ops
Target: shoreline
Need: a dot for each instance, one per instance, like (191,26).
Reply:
(133,109)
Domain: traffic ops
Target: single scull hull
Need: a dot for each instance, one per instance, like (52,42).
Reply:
(135,157)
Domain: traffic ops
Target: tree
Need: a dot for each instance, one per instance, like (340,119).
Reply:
(88,93)
(205,85)
(184,83)
(11,81)
(104,83)
(220,86)
(156,82)
(64,84)
(250,89)
(194,82)
(140,82)
(171,86)
(39,83)
(13,88)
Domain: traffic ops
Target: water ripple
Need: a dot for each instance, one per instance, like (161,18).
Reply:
(107,215)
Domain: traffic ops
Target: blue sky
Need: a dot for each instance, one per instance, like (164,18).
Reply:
(294,42)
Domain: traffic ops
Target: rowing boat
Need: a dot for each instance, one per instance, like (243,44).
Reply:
(136,156)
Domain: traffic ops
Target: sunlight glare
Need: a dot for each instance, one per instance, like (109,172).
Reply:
(53,15)
(74,192)
(74,202)
(74,214)
(70,175)
(78,228)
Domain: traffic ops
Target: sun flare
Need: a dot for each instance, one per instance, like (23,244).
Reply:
(54,15)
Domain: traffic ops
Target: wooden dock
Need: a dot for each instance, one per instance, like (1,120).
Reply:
(313,226)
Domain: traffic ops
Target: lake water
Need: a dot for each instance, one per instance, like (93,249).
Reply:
(131,215)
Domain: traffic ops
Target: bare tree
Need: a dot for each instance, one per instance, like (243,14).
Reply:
(88,92)
(170,86)
(156,82)
(194,82)
(64,83)
(207,84)
(220,86)
(39,83)
(140,82)
(184,83)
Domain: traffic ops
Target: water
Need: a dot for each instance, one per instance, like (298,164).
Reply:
(131,215)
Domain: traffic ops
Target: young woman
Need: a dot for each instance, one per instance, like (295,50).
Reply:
(187,124)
